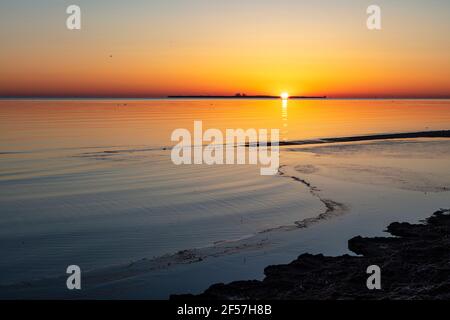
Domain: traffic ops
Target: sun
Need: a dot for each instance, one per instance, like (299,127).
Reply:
(284,96)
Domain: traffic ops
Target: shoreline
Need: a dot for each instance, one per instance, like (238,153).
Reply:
(414,264)
(372,137)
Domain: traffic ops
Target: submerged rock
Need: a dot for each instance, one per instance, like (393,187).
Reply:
(415,264)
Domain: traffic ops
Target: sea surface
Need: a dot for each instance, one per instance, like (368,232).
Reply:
(91,183)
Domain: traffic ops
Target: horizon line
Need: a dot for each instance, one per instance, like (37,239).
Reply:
(214,96)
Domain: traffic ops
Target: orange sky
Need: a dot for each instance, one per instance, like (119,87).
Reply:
(208,47)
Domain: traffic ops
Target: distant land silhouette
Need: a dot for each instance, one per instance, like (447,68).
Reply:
(242,96)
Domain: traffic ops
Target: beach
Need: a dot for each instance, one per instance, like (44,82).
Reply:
(140,227)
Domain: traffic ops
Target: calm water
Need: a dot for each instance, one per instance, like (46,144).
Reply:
(45,125)
(88,182)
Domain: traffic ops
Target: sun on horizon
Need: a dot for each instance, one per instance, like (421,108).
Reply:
(284,95)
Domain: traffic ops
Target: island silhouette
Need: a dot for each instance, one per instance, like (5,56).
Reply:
(241,96)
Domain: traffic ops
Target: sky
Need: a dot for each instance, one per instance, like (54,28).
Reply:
(145,48)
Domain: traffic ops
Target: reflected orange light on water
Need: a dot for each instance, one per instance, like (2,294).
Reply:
(47,124)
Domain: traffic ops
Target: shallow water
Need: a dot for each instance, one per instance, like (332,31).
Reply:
(88,182)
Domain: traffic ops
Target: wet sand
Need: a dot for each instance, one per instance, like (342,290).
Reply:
(373,137)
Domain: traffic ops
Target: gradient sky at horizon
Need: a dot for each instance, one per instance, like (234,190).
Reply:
(168,47)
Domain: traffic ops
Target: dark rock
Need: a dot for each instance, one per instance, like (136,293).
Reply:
(415,264)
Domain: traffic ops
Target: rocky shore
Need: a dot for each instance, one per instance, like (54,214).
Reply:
(415,264)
